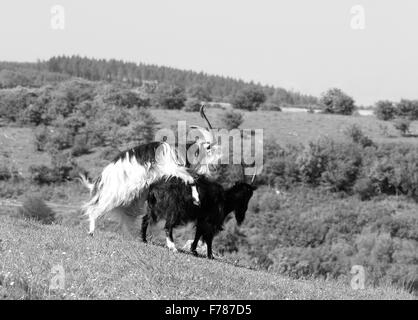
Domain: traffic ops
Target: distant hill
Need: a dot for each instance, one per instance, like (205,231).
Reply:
(220,88)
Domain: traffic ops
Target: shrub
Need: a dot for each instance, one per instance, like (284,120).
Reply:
(342,167)
(200,93)
(249,99)
(392,169)
(98,132)
(141,130)
(59,138)
(231,119)
(384,130)
(80,146)
(64,168)
(35,208)
(5,173)
(402,125)
(408,109)
(41,135)
(356,134)
(13,103)
(170,97)
(34,114)
(192,105)
(280,165)
(42,174)
(385,110)
(365,188)
(74,123)
(270,106)
(336,101)
(124,98)
(265,200)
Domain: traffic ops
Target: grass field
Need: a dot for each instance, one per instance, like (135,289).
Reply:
(295,127)
(110,266)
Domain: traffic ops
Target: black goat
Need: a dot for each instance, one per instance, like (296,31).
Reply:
(172,200)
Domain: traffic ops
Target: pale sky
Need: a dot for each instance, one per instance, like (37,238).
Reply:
(304,45)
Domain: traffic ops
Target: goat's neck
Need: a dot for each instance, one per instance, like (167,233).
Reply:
(229,202)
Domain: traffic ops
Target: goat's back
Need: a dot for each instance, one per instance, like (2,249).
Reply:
(172,200)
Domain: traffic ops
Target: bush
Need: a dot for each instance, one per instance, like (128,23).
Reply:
(13,103)
(59,138)
(402,125)
(34,114)
(170,97)
(124,98)
(365,188)
(35,208)
(192,105)
(408,109)
(269,106)
(231,119)
(80,146)
(392,169)
(385,110)
(200,93)
(249,99)
(337,102)
(5,173)
(41,135)
(357,135)
(42,174)
(265,200)
(64,168)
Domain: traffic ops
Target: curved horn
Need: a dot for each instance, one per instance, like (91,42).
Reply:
(210,128)
(203,115)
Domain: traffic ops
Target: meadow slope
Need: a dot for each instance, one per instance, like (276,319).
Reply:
(110,266)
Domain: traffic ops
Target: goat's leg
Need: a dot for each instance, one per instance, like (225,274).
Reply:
(208,239)
(144,226)
(92,224)
(169,238)
(197,236)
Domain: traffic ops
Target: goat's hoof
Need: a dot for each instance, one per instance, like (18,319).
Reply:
(211,257)
(174,250)
(196,203)
(194,252)
(91,234)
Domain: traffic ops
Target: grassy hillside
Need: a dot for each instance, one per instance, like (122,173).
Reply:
(109,266)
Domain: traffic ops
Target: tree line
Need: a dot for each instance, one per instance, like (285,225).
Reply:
(219,88)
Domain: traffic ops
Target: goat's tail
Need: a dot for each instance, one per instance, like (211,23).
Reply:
(85,181)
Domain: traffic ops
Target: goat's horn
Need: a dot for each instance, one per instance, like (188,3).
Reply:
(243,166)
(209,126)
(253,178)
(203,115)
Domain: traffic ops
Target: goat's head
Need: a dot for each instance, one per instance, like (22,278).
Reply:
(208,152)
(241,193)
